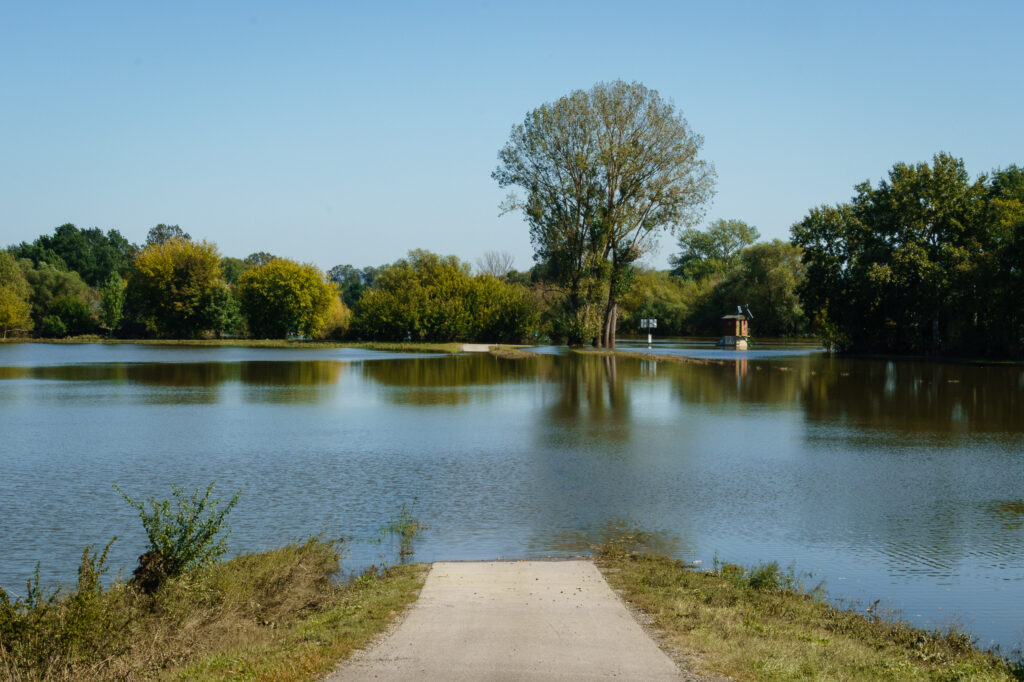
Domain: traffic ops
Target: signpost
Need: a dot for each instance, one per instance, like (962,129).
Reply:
(648,324)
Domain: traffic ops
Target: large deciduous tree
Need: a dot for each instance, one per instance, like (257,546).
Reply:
(926,261)
(177,288)
(282,297)
(716,250)
(603,171)
(15,308)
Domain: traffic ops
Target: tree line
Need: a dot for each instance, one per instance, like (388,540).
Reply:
(929,261)
(176,287)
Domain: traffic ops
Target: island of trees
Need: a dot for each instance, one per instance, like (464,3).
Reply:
(929,261)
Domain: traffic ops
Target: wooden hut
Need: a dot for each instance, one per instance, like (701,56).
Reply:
(735,330)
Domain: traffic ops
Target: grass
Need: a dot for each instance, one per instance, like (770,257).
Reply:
(274,615)
(403,347)
(758,624)
(511,353)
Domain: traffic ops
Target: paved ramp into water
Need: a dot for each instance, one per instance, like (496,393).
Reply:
(523,620)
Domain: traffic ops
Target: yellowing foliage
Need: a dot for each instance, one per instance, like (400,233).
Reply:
(284,297)
(178,288)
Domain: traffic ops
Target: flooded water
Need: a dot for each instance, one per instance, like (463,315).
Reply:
(901,481)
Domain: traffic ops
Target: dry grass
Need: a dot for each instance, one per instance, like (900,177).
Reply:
(276,615)
(752,625)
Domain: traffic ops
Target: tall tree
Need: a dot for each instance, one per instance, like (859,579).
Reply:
(177,288)
(604,170)
(161,234)
(495,263)
(912,265)
(713,251)
(112,302)
(282,297)
(15,308)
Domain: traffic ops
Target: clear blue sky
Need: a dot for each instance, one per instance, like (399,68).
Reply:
(351,132)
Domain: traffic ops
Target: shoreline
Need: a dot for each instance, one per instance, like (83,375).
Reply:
(752,623)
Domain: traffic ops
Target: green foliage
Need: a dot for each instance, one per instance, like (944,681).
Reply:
(15,307)
(112,302)
(927,261)
(282,297)
(232,269)
(89,252)
(352,281)
(713,251)
(54,630)
(183,534)
(50,284)
(75,314)
(176,288)
(161,234)
(604,170)
(406,527)
(259,258)
(660,296)
(427,297)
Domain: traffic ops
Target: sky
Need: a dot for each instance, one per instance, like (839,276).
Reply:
(345,132)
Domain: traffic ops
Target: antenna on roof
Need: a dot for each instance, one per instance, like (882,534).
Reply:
(749,314)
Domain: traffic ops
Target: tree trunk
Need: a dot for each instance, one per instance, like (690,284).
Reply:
(611,317)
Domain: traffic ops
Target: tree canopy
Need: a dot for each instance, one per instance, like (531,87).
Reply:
(927,261)
(714,251)
(427,297)
(603,170)
(282,297)
(91,253)
(15,308)
(177,288)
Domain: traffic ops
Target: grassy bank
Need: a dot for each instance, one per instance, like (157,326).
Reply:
(402,347)
(273,615)
(756,625)
(511,353)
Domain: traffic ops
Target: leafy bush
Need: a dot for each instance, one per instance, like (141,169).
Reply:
(427,297)
(181,538)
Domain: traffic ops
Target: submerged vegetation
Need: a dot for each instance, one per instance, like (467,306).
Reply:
(763,623)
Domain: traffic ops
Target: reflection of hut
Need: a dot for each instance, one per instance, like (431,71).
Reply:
(735,331)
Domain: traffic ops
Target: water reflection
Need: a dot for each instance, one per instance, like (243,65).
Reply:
(906,476)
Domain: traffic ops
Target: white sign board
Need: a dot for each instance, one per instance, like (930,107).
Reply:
(648,323)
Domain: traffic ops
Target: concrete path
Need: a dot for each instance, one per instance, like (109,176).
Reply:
(475,347)
(524,620)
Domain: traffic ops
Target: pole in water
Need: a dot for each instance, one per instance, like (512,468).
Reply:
(648,338)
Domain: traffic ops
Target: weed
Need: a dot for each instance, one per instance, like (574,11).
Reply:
(406,527)
(180,539)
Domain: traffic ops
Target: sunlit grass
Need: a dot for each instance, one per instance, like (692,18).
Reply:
(273,615)
(756,624)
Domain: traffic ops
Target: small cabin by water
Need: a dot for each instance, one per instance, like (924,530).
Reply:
(735,331)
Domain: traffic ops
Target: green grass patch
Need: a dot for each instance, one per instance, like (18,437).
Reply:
(511,353)
(276,615)
(758,624)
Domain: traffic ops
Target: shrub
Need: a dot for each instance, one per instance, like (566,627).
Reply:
(183,538)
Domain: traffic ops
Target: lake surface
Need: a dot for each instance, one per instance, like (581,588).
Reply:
(901,481)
